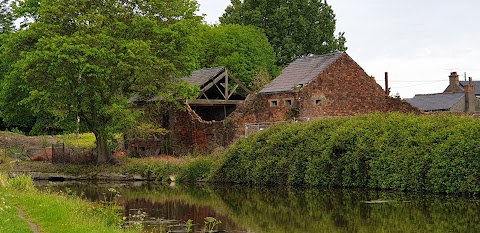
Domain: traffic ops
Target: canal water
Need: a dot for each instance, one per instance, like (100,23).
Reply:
(163,207)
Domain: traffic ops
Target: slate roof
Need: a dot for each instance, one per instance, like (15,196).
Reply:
(198,78)
(301,72)
(436,102)
(201,77)
(475,83)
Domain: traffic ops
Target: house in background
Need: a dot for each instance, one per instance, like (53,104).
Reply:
(459,97)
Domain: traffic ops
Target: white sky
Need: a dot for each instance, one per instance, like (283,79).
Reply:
(418,42)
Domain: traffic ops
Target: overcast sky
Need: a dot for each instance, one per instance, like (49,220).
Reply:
(418,42)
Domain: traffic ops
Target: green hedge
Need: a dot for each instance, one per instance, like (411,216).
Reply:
(438,153)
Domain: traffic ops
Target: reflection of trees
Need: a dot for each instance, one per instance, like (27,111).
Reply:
(283,209)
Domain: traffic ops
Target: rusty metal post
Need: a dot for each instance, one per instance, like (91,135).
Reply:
(53,153)
(387,90)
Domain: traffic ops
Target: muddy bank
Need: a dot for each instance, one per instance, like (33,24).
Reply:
(102,176)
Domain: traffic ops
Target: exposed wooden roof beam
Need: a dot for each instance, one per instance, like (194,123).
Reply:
(233,91)
(213,102)
(221,92)
(241,85)
(210,85)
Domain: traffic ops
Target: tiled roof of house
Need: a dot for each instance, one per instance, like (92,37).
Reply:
(301,72)
(201,77)
(475,83)
(435,102)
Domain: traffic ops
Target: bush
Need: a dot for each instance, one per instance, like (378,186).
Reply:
(197,170)
(437,153)
(22,182)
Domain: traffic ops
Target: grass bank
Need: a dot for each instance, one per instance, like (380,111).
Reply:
(52,212)
(164,168)
(438,153)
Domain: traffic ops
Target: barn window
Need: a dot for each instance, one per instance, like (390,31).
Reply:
(319,100)
(273,103)
(288,102)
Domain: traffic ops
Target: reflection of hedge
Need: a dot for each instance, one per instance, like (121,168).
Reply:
(276,210)
(438,153)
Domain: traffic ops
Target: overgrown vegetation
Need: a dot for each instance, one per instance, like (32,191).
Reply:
(437,153)
(183,169)
(164,169)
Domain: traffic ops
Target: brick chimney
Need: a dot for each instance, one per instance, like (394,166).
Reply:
(454,85)
(470,99)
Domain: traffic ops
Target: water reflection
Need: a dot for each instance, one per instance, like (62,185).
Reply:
(283,209)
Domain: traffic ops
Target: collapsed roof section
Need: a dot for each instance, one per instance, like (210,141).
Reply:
(219,93)
(217,87)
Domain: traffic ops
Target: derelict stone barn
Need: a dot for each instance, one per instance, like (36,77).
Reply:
(199,124)
(311,87)
(322,86)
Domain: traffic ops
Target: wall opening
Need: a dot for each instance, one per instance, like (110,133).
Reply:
(214,113)
(288,102)
(319,100)
(274,103)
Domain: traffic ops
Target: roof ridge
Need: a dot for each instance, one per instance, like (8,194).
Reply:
(301,71)
(441,93)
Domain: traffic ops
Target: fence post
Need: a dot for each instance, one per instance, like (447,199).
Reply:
(63,153)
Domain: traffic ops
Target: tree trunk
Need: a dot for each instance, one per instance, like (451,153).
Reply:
(103,155)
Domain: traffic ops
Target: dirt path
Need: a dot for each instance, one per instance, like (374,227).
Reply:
(33,226)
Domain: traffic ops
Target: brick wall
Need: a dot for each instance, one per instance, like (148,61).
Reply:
(190,133)
(343,89)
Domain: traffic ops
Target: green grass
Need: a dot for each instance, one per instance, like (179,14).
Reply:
(85,140)
(53,212)
(10,221)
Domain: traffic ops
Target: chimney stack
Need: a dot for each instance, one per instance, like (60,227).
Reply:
(454,85)
(387,89)
(470,99)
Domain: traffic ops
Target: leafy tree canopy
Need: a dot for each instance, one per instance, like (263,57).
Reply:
(6,17)
(244,50)
(88,57)
(294,28)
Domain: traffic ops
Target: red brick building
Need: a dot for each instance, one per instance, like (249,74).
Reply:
(310,87)
(323,86)
(199,124)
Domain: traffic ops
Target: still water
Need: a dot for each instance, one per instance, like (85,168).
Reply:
(165,207)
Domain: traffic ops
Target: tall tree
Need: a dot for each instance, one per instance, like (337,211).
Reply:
(244,50)
(90,56)
(6,17)
(294,28)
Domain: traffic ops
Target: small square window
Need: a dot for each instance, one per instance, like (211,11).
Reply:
(273,103)
(319,100)
(288,102)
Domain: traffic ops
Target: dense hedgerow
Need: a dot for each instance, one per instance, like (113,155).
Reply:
(438,153)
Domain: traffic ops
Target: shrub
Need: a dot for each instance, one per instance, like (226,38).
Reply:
(22,182)
(197,170)
(437,153)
